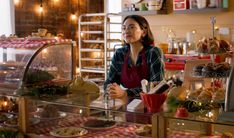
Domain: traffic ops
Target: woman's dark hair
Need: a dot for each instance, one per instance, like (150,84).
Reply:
(148,39)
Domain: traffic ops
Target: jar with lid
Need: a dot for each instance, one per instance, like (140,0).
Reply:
(170,46)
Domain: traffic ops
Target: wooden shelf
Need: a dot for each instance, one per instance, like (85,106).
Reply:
(93,70)
(91,23)
(92,59)
(93,41)
(91,50)
(143,12)
(205,10)
(92,32)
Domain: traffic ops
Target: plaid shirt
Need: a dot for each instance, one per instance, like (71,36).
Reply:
(155,63)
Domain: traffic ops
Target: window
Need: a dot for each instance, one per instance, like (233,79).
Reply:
(114,6)
(7,25)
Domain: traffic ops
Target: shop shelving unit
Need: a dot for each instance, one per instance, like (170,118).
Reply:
(96,45)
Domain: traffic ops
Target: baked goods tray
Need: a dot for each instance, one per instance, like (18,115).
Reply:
(211,74)
(205,101)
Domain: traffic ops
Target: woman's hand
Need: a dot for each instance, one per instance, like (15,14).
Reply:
(116,92)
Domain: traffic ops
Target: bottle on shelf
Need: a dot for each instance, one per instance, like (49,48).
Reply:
(162,87)
(225,3)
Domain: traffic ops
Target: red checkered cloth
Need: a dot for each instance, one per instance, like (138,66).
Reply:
(121,130)
(189,134)
(184,134)
(30,42)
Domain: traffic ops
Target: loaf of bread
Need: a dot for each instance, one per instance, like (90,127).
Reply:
(83,87)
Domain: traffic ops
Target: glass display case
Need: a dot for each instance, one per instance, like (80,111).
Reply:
(26,61)
(201,124)
(47,101)
(47,118)
(30,67)
(56,118)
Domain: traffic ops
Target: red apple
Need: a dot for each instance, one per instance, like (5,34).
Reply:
(181,112)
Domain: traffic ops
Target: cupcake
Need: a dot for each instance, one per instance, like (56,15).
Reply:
(202,47)
(213,46)
(222,69)
(224,46)
(205,96)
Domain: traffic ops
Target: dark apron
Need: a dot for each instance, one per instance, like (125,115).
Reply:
(131,78)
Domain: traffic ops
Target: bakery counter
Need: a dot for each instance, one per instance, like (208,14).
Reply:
(90,126)
(166,125)
(206,123)
(48,118)
(54,118)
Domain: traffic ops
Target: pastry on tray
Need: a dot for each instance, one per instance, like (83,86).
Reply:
(208,70)
(68,132)
(205,96)
(194,94)
(50,111)
(144,131)
(213,46)
(35,76)
(218,95)
(212,70)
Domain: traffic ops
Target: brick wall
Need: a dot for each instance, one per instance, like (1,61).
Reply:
(55,17)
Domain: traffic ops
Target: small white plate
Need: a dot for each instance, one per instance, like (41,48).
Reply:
(68,132)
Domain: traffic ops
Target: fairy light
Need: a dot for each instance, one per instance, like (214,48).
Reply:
(78,71)
(98,54)
(45,51)
(209,114)
(16,2)
(81,34)
(194,31)
(5,103)
(40,9)
(73,17)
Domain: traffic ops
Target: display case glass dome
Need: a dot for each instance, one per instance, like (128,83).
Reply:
(27,61)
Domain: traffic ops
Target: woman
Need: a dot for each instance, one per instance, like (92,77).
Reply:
(137,60)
